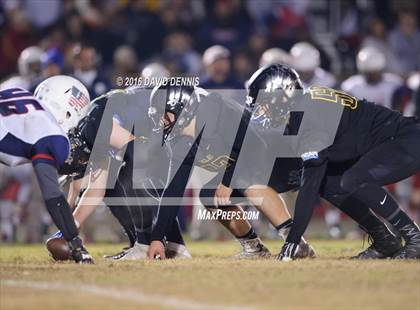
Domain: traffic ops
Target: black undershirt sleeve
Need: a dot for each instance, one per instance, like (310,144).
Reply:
(56,204)
(237,145)
(170,202)
(308,194)
(172,196)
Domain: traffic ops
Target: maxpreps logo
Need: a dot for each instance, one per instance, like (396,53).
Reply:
(219,214)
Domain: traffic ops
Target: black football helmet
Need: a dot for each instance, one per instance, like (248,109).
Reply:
(78,159)
(270,94)
(181,101)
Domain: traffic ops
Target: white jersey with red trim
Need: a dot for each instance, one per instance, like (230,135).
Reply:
(381,92)
(28,131)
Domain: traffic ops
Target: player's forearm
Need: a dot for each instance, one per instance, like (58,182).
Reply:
(305,202)
(88,203)
(166,216)
(83,211)
(55,201)
(93,195)
(60,212)
(170,202)
(74,190)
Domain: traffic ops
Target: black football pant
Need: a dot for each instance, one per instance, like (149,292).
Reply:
(134,215)
(392,161)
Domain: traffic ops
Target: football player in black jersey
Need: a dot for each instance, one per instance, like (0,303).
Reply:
(206,130)
(103,144)
(368,145)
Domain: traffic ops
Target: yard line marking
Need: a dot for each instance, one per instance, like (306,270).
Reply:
(127,295)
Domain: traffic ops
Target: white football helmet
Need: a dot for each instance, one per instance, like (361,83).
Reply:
(370,59)
(274,56)
(28,56)
(305,57)
(66,98)
(155,70)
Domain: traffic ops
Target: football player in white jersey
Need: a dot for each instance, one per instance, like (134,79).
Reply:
(306,60)
(29,68)
(33,128)
(274,55)
(372,83)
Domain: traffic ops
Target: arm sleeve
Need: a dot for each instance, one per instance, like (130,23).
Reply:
(172,196)
(55,201)
(168,210)
(308,193)
(241,132)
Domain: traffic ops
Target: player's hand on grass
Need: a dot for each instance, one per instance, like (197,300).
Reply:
(79,253)
(288,251)
(222,195)
(156,250)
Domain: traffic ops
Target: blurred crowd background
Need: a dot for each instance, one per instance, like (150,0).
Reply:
(369,48)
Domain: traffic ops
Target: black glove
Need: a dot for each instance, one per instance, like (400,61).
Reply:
(288,251)
(79,253)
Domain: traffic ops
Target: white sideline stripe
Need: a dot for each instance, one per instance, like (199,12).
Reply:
(126,295)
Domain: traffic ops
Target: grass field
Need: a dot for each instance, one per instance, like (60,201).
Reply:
(212,280)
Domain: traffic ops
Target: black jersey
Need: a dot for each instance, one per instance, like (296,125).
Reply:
(129,110)
(362,127)
(223,125)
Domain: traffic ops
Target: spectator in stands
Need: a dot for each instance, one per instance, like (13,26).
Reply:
(85,63)
(257,44)
(243,66)
(287,22)
(16,35)
(228,24)
(125,64)
(181,15)
(143,29)
(217,63)
(52,63)
(180,55)
(405,42)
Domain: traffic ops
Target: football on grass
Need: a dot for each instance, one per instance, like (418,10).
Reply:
(58,248)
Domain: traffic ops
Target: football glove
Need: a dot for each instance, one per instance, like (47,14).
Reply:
(79,253)
(288,251)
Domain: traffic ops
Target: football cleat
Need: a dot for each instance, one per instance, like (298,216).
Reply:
(176,250)
(136,252)
(118,255)
(411,249)
(384,244)
(78,252)
(253,248)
